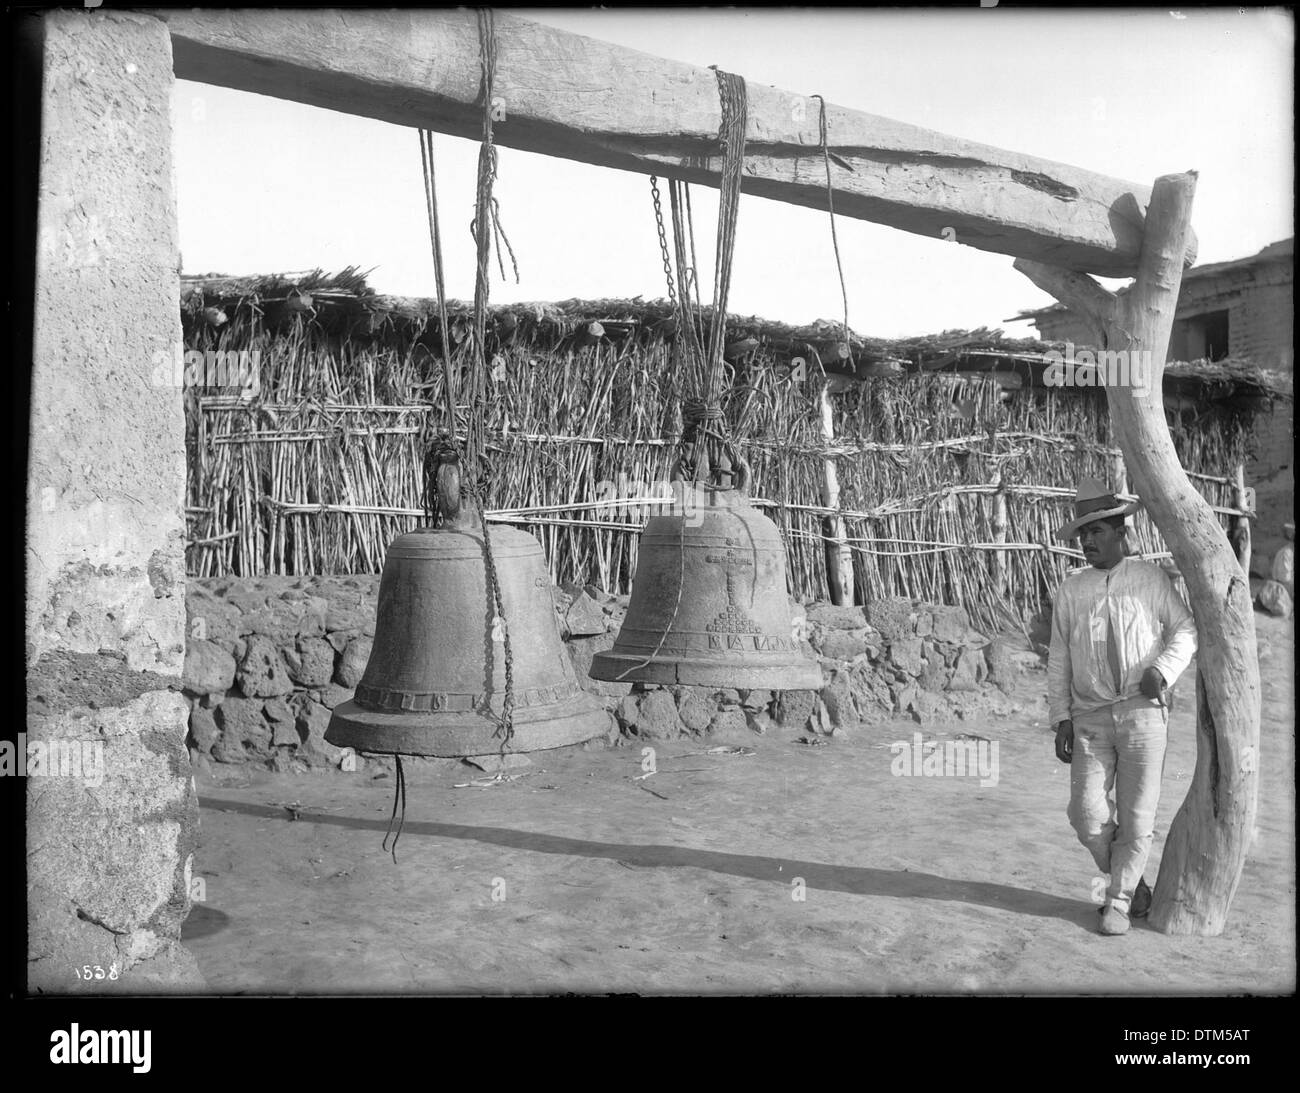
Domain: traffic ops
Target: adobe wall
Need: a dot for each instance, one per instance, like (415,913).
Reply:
(1271,470)
(109,852)
(1261,325)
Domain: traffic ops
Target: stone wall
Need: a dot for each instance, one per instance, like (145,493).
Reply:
(108,849)
(267,660)
(270,657)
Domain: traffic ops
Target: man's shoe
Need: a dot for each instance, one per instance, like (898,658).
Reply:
(1141,899)
(1113,921)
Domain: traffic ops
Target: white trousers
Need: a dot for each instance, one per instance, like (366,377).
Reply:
(1119,749)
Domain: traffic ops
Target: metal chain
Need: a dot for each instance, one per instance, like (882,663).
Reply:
(663,241)
(686,342)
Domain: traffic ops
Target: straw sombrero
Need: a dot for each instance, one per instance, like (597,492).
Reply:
(1093,501)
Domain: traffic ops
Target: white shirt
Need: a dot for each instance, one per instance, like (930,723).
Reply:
(1153,629)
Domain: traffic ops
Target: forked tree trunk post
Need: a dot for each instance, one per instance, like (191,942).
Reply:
(1209,837)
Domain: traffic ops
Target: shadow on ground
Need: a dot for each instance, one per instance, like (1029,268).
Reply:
(853,880)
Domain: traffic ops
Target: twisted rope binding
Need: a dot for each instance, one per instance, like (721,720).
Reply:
(709,456)
(485,211)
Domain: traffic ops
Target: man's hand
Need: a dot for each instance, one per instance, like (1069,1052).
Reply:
(1065,741)
(1153,685)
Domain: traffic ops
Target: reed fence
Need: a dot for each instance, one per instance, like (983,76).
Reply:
(950,484)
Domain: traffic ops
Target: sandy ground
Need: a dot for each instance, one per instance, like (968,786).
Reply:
(909,883)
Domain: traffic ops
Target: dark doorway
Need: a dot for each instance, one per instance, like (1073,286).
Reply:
(1201,337)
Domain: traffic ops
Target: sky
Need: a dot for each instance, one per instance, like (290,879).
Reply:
(266,185)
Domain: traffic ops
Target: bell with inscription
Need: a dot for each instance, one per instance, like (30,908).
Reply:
(435,683)
(709,605)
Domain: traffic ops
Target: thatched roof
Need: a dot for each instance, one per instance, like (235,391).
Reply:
(344,305)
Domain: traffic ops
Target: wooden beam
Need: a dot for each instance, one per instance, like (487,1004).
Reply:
(1206,848)
(565,95)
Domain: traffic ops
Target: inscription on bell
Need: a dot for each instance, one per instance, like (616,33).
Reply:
(760,643)
(730,558)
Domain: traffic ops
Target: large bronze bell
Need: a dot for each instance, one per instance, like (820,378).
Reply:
(435,681)
(709,605)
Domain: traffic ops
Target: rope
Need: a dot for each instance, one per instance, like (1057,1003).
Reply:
(399,793)
(486,210)
(830,207)
(484,228)
(686,277)
(435,446)
(731,91)
(706,451)
(690,225)
(501,238)
(506,729)
(444,461)
(480,229)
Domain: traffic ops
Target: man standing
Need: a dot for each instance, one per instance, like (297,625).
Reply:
(1121,637)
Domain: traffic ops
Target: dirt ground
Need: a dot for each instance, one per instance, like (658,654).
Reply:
(576,878)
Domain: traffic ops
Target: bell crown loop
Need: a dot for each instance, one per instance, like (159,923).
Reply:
(712,452)
(454,509)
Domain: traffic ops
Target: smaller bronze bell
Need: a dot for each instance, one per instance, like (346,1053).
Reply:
(709,605)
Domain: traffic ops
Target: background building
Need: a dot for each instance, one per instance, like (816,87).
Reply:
(1229,311)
